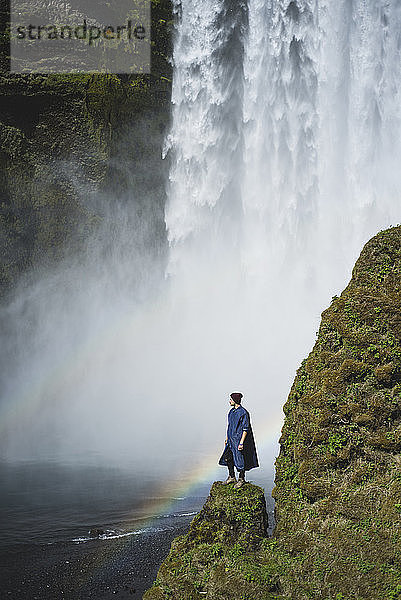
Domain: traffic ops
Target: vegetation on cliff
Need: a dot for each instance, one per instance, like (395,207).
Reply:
(215,559)
(61,136)
(338,473)
(338,476)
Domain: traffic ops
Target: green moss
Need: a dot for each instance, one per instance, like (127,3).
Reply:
(342,438)
(218,551)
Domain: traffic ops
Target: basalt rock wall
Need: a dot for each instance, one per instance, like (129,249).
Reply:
(62,138)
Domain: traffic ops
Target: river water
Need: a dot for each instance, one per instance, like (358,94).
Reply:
(90,531)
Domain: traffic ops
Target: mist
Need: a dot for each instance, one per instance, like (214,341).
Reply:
(282,154)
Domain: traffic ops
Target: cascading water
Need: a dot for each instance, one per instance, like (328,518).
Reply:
(206,134)
(318,133)
(285,142)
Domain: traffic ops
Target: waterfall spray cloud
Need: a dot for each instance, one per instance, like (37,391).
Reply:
(284,148)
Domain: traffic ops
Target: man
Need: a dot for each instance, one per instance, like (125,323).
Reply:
(240,450)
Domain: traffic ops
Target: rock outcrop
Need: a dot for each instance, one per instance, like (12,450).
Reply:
(212,559)
(338,473)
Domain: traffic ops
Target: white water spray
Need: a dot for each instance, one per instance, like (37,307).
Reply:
(285,146)
(285,142)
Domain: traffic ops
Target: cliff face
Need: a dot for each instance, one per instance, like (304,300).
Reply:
(212,559)
(338,473)
(338,476)
(60,137)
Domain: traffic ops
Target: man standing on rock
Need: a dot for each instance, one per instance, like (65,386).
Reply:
(240,450)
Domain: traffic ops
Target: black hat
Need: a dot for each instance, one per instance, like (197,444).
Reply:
(236,396)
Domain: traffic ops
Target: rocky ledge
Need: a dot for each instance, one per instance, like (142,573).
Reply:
(216,558)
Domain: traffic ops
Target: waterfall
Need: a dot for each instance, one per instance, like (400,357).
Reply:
(205,138)
(285,144)
(289,110)
(284,152)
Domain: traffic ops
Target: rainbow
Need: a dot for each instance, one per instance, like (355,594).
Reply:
(38,393)
(170,492)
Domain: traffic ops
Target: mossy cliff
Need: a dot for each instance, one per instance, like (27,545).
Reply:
(61,137)
(338,473)
(215,558)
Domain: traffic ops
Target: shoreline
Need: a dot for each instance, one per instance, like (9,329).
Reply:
(102,569)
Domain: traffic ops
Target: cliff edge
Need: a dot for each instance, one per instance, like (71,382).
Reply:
(338,473)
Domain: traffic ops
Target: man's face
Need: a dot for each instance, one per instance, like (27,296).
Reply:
(232,402)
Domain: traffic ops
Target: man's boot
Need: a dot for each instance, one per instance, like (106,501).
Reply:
(239,483)
(230,480)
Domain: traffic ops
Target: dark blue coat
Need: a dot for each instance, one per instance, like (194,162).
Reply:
(238,421)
